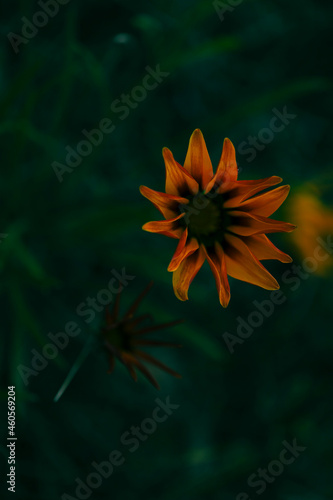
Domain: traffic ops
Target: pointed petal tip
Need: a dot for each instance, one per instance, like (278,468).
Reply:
(276,178)
(286,188)
(181,294)
(155,384)
(274,284)
(144,190)
(182,297)
(166,152)
(228,142)
(225,303)
(197,135)
(167,156)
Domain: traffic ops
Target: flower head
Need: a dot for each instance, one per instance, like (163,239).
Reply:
(217,218)
(124,341)
(314,225)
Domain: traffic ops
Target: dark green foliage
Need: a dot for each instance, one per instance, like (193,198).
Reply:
(229,78)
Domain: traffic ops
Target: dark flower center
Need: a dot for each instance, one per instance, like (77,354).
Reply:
(118,336)
(205,218)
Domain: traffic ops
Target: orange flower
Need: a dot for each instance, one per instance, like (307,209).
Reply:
(123,341)
(314,222)
(218,218)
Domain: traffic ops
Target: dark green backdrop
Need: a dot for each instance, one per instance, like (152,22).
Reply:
(224,72)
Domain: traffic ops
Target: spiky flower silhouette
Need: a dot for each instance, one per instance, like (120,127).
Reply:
(123,340)
(218,218)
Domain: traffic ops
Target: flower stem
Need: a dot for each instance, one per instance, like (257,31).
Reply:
(77,364)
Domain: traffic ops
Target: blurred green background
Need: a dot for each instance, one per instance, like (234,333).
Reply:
(225,76)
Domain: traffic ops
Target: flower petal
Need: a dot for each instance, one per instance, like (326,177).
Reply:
(267,203)
(184,249)
(197,161)
(159,364)
(157,343)
(227,172)
(244,224)
(160,326)
(239,191)
(178,181)
(133,307)
(182,243)
(184,275)
(129,359)
(244,266)
(167,204)
(264,249)
(169,227)
(132,372)
(216,260)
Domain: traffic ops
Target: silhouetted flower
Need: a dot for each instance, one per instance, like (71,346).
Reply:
(218,218)
(314,224)
(124,340)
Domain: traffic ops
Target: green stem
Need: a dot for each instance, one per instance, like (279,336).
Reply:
(78,363)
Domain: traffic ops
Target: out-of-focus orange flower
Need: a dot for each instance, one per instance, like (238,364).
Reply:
(218,218)
(124,341)
(314,223)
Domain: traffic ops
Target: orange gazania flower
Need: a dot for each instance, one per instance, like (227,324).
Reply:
(123,339)
(314,224)
(218,218)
